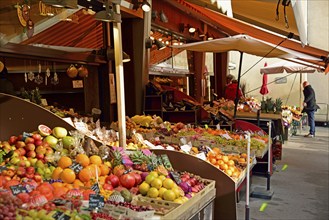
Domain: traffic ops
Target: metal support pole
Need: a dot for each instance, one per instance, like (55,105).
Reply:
(269,155)
(119,79)
(236,100)
(248,178)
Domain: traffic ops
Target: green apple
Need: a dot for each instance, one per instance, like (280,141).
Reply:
(59,132)
(15,160)
(51,140)
(39,164)
(68,141)
(33,161)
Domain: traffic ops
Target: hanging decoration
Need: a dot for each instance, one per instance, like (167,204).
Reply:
(55,79)
(30,75)
(23,14)
(39,79)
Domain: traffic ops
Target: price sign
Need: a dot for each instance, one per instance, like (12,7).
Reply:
(201,156)
(82,127)
(96,201)
(76,167)
(95,188)
(218,127)
(186,148)
(2,168)
(61,216)
(226,136)
(18,189)
(149,144)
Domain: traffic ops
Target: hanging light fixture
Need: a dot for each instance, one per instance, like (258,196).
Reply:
(159,44)
(146,7)
(182,27)
(62,3)
(110,55)
(109,15)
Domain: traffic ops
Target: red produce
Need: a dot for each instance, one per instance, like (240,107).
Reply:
(87,193)
(127,180)
(12,140)
(138,178)
(24,197)
(30,170)
(107,186)
(113,180)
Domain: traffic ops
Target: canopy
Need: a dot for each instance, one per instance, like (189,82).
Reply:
(246,44)
(286,66)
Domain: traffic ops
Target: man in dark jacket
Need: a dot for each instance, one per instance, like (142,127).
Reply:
(310,107)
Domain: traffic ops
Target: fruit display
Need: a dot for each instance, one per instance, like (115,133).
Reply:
(49,174)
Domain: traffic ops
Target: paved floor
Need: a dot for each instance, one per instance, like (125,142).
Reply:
(301,190)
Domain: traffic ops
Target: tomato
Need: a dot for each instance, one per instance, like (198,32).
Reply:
(127,180)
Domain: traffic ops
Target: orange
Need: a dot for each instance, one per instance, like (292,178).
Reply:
(68,186)
(60,191)
(56,173)
(101,179)
(85,175)
(82,159)
(95,159)
(68,175)
(94,170)
(57,185)
(64,162)
(77,184)
(105,170)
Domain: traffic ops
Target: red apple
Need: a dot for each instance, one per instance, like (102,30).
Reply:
(38,142)
(24,197)
(30,147)
(30,170)
(36,137)
(40,156)
(20,144)
(20,137)
(31,154)
(22,163)
(21,171)
(49,151)
(45,143)
(12,140)
(113,180)
(22,151)
(37,178)
(40,150)
(107,186)
(29,140)
(30,176)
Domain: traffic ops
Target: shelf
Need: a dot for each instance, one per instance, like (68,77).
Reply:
(152,110)
(186,111)
(68,91)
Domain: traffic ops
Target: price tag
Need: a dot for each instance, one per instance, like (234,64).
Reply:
(186,148)
(18,189)
(76,167)
(183,140)
(82,127)
(218,127)
(95,188)
(61,216)
(226,136)
(68,120)
(2,168)
(96,201)
(201,156)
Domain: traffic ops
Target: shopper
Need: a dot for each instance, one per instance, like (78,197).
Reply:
(310,107)
(6,86)
(230,90)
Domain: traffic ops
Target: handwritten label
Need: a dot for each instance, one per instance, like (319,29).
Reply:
(95,188)
(226,136)
(61,216)
(77,84)
(218,127)
(82,127)
(2,168)
(76,167)
(149,144)
(186,148)
(18,189)
(201,156)
(96,201)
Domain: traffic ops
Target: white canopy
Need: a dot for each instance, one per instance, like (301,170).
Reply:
(288,67)
(246,44)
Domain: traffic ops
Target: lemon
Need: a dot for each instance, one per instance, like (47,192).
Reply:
(144,188)
(153,192)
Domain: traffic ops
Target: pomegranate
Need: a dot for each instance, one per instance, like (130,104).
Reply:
(83,71)
(113,180)
(127,180)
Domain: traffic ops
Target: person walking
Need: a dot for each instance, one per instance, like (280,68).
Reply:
(310,107)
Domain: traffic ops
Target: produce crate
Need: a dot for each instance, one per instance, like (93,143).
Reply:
(185,210)
(125,212)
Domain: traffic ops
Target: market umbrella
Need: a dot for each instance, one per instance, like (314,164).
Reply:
(245,44)
(264,89)
(286,66)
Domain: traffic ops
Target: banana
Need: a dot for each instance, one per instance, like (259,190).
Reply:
(20,16)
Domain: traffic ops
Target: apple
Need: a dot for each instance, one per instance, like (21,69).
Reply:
(20,137)
(27,163)
(37,178)
(16,153)
(7,148)
(22,163)
(21,171)
(30,170)
(15,160)
(30,147)
(67,141)
(33,161)
(40,150)
(39,164)
(12,140)
(49,151)
(113,180)
(59,132)
(22,151)
(36,137)
(51,140)
(38,142)
(29,140)
(107,186)
(31,154)
(40,156)
(20,144)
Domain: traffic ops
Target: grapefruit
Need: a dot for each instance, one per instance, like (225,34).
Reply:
(169,195)
(153,192)
(64,162)
(82,159)
(168,183)
(156,183)
(144,188)
(44,130)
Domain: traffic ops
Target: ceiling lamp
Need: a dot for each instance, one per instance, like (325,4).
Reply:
(144,4)
(108,15)
(182,27)
(62,3)
(159,44)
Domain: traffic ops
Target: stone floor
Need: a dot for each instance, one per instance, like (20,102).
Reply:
(301,190)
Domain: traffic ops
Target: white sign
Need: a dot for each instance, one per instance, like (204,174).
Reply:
(186,148)
(201,156)
(81,126)
(77,84)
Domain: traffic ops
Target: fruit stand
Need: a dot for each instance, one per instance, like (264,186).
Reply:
(42,176)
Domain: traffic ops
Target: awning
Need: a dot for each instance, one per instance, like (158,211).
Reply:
(288,67)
